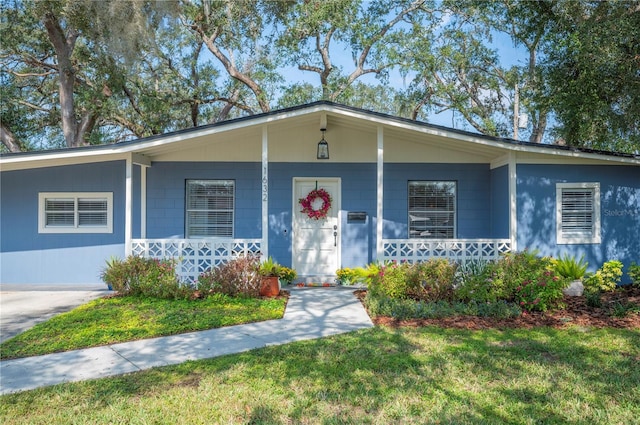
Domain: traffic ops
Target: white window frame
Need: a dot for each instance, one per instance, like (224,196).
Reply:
(187,209)
(454,211)
(594,236)
(75,228)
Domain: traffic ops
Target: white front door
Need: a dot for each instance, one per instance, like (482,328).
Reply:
(316,243)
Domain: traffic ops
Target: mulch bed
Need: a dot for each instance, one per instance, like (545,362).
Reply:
(576,313)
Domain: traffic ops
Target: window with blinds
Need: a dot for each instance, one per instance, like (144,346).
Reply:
(578,213)
(432,209)
(210,207)
(75,212)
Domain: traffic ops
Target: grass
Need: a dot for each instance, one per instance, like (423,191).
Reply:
(119,319)
(378,375)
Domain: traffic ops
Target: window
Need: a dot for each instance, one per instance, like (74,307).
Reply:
(75,212)
(432,209)
(578,213)
(209,208)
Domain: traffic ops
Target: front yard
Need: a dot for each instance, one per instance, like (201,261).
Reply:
(380,375)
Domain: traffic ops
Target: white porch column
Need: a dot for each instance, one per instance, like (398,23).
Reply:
(379,193)
(265,193)
(513,213)
(128,210)
(143,202)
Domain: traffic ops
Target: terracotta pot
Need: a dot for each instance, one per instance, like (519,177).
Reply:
(270,286)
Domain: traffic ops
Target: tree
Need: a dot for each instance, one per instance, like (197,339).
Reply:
(312,28)
(593,71)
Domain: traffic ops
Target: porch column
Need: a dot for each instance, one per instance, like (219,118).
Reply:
(379,193)
(513,213)
(128,225)
(264,247)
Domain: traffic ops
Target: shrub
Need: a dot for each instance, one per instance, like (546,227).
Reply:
(238,276)
(403,309)
(520,277)
(287,275)
(476,281)
(605,278)
(431,280)
(389,280)
(144,276)
(634,273)
(570,268)
(351,276)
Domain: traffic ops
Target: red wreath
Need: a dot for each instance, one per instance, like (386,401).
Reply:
(307,202)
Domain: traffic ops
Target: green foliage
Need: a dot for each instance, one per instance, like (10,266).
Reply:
(522,277)
(125,318)
(352,276)
(390,280)
(623,309)
(144,277)
(593,299)
(402,309)
(634,273)
(287,275)
(269,267)
(239,276)
(605,278)
(431,280)
(568,267)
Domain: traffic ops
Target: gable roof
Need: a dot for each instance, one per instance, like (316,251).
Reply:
(121,150)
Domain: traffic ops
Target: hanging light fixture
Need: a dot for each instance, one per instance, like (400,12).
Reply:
(323,147)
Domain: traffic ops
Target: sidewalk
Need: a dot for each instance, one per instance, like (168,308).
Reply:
(311,313)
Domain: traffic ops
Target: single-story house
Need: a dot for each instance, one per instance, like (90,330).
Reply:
(388,189)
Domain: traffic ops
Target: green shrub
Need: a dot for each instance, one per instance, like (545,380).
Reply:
(403,309)
(605,278)
(520,277)
(390,280)
(476,282)
(431,280)
(352,276)
(144,276)
(287,275)
(239,276)
(634,273)
(570,268)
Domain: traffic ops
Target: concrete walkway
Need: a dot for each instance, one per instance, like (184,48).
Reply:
(311,313)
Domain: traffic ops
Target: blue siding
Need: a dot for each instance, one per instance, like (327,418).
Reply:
(166,195)
(500,202)
(31,257)
(358,182)
(620,211)
(473,196)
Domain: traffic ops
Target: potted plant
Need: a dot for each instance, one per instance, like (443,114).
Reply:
(269,272)
(287,275)
(573,270)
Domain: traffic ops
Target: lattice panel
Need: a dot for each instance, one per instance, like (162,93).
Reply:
(195,256)
(460,250)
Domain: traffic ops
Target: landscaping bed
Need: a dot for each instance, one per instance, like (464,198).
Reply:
(618,309)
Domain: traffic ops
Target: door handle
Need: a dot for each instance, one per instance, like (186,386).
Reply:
(335,235)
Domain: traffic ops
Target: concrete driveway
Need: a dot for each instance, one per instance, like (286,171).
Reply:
(23,306)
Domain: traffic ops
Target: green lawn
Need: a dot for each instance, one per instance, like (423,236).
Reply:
(119,319)
(377,376)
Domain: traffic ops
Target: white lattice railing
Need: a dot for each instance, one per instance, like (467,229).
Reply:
(195,256)
(459,250)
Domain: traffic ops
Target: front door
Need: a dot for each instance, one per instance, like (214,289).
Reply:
(316,243)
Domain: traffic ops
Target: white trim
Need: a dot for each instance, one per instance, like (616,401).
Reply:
(380,192)
(42,227)
(513,201)
(596,238)
(143,202)
(265,192)
(128,207)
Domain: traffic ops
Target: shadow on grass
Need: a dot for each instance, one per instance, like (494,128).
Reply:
(405,375)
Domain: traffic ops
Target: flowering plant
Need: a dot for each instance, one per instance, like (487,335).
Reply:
(307,204)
